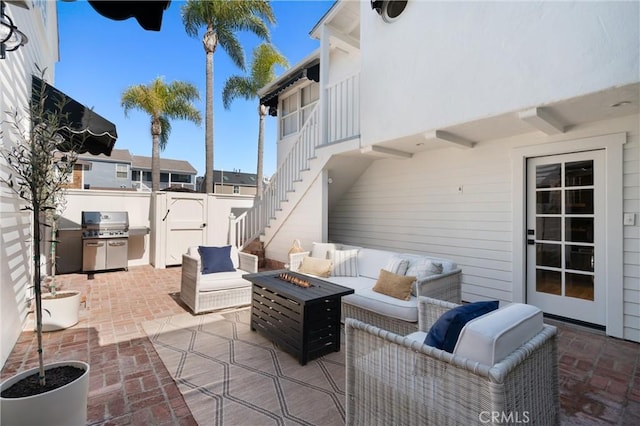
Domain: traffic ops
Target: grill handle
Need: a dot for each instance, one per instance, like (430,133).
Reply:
(116,243)
(97,244)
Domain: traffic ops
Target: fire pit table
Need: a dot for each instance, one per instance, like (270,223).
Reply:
(301,314)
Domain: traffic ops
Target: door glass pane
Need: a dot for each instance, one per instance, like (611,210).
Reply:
(579,201)
(548,282)
(548,176)
(548,255)
(549,228)
(579,286)
(579,229)
(548,202)
(579,258)
(579,173)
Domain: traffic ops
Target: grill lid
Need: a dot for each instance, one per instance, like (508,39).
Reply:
(105,220)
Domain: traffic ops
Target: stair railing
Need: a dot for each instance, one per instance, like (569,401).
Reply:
(249,225)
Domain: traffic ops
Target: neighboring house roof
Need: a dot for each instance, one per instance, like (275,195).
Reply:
(117,156)
(224,177)
(166,165)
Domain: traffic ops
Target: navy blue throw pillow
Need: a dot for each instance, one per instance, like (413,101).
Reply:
(215,259)
(444,333)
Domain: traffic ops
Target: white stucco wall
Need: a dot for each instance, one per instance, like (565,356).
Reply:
(413,205)
(15,225)
(462,61)
(305,223)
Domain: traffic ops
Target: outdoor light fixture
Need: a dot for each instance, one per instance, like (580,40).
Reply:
(389,10)
(11,38)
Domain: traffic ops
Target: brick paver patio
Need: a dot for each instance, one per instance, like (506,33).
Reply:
(599,375)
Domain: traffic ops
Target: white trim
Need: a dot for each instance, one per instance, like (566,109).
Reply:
(613,146)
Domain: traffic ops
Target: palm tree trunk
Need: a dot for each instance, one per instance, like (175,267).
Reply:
(262,112)
(155,156)
(210,41)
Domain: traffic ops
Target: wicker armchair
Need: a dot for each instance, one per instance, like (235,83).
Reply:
(396,380)
(205,293)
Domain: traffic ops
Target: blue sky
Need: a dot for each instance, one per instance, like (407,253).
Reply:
(100,58)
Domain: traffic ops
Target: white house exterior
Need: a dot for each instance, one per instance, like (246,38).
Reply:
(39,22)
(502,135)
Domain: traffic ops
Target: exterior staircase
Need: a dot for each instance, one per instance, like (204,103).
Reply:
(285,186)
(302,165)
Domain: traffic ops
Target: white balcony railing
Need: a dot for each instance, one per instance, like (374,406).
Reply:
(343,109)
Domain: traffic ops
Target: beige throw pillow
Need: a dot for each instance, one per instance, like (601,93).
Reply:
(314,266)
(398,286)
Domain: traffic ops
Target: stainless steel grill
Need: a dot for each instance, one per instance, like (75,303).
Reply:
(105,241)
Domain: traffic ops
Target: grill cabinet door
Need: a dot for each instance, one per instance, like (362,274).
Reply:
(94,255)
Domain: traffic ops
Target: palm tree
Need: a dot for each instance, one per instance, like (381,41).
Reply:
(223,18)
(265,57)
(162,102)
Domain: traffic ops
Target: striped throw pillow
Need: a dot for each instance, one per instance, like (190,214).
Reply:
(397,265)
(345,263)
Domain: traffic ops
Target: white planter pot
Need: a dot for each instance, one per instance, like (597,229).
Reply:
(62,312)
(65,406)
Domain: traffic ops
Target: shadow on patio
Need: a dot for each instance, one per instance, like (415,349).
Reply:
(129,384)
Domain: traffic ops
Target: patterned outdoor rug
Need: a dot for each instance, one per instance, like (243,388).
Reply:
(230,375)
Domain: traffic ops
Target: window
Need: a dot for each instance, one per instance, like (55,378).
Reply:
(122,171)
(164,177)
(236,189)
(180,178)
(135,175)
(146,176)
(289,120)
(309,96)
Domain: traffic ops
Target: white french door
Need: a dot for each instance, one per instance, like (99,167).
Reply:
(566,235)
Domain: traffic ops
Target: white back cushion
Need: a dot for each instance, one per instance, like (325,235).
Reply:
(490,338)
(322,250)
(370,261)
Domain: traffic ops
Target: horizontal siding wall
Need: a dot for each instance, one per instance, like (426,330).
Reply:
(416,205)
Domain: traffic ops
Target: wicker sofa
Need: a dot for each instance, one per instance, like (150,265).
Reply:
(209,292)
(392,379)
(377,309)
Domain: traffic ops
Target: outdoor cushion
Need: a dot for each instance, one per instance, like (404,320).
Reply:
(215,259)
(444,333)
(397,265)
(490,338)
(235,258)
(447,265)
(314,266)
(322,250)
(384,305)
(223,281)
(345,263)
(398,286)
(370,261)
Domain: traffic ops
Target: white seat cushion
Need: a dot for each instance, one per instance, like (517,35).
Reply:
(490,338)
(406,310)
(223,281)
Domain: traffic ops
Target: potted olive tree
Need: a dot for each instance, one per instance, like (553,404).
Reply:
(38,173)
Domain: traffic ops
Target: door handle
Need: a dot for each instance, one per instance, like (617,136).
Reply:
(204,225)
